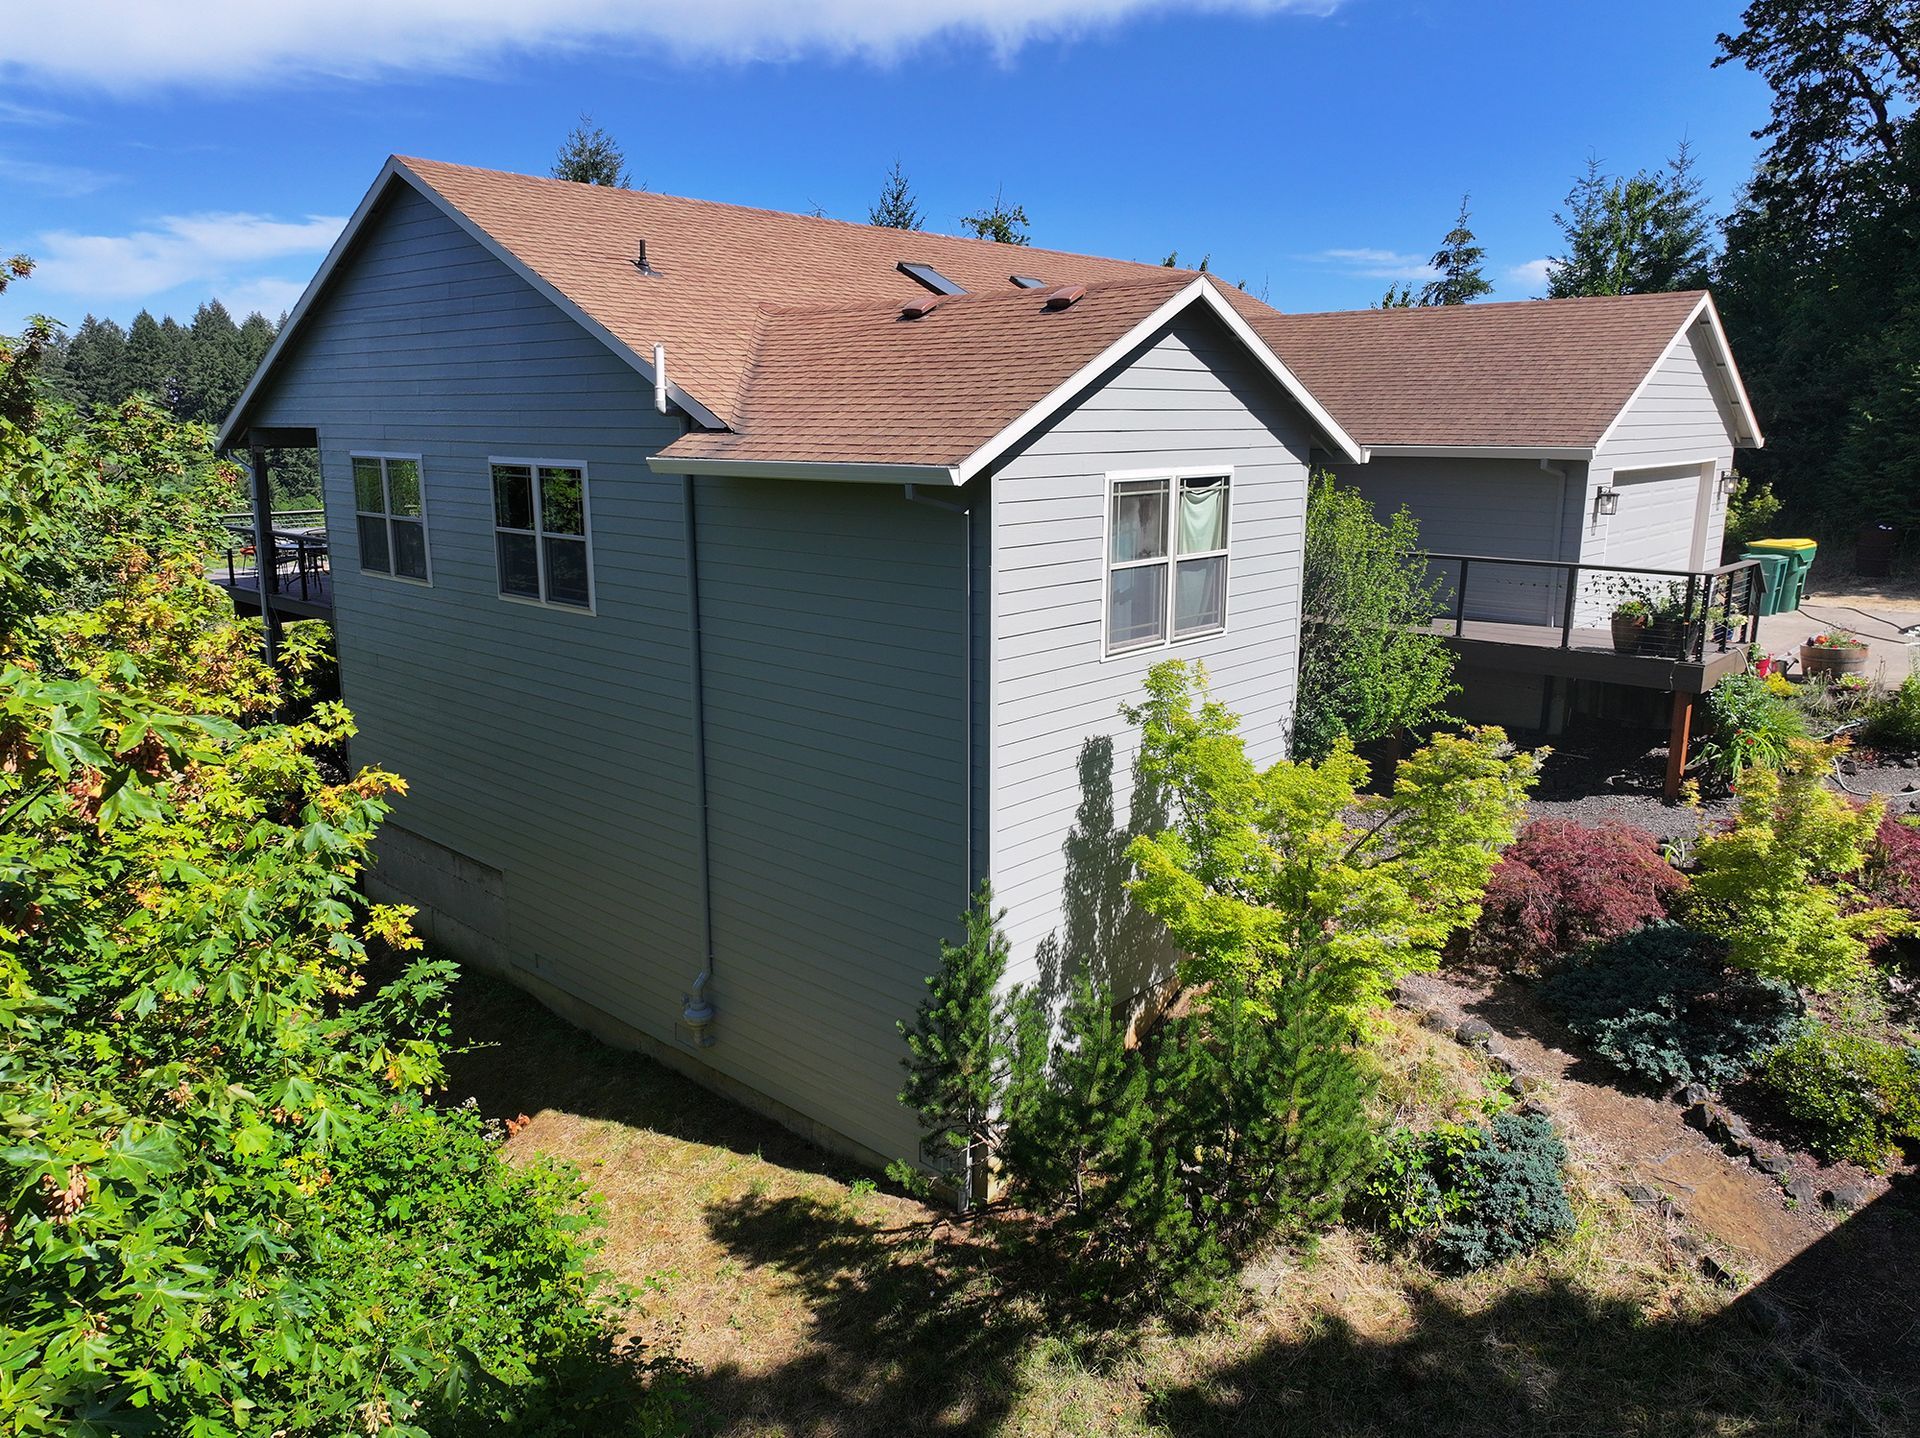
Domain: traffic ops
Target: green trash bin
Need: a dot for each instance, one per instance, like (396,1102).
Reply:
(1801,552)
(1776,573)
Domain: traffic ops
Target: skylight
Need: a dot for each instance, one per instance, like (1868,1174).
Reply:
(931,278)
(1028,282)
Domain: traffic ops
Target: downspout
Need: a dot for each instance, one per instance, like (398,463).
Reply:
(697,1013)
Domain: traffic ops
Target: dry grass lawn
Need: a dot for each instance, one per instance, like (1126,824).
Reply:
(811,1303)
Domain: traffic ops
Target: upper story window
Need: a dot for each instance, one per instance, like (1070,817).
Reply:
(540,532)
(391,514)
(1166,559)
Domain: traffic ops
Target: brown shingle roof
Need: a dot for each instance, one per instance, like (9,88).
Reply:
(1542,374)
(863,384)
(716,266)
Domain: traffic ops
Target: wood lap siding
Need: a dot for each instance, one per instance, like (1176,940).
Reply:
(835,625)
(1680,418)
(1188,398)
(552,745)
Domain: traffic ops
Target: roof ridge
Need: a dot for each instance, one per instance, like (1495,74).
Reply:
(697,202)
(880,304)
(1485,306)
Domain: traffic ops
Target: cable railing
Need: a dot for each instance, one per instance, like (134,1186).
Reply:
(1657,613)
(298,566)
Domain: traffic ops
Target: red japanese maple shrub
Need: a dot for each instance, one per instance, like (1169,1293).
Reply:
(1892,872)
(1562,885)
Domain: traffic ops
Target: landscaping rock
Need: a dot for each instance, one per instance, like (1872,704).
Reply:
(1686,1241)
(1474,1033)
(1528,1084)
(1718,1272)
(1694,1095)
(1533,1108)
(1504,1063)
(1846,1197)
(1773,1163)
(1802,1190)
(1640,1195)
(1437,1021)
(1737,1130)
(1701,1116)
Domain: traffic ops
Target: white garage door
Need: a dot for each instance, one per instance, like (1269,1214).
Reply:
(1653,528)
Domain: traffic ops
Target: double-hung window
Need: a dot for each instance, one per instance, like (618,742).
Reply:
(391,514)
(1166,559)
(540,532)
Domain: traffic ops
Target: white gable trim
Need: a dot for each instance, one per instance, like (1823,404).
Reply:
(1200,290)
(1746,434)
(390,172)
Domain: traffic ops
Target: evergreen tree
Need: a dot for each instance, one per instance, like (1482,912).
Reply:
(1397,297)
(898,209)
(216,366)
(153,360)
(1458,260)
(1004,223)
(957,1051)
(96,363)
(256,337)
(589,156)
(1647,233)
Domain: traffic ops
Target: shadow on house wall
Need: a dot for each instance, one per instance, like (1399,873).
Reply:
(1103,932)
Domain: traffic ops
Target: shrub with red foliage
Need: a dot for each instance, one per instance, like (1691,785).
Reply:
(1892,872)
(1563,885)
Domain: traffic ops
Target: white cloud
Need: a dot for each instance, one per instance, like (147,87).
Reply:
(1533,274)
(15,114)
(269,294)
(224,254)
(66,181)
(1376,264)
(127,45)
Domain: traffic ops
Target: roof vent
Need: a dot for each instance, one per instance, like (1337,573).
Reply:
(920,308)
(1028,282)
(930,277)
(640,261)
(1065,296)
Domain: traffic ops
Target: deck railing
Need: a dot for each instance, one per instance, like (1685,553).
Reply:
(1691,611)
(299,563)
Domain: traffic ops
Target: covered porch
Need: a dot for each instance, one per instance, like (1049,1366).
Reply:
(276,563)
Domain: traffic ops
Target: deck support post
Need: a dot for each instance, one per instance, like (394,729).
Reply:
(263,552)
(1678,739)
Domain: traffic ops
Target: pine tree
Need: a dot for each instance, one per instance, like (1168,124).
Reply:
(1647,233)
(590,156)
(957,1045)
(216,365)
(1458,260)
(898,209)
(153,360)
(1001,222)
(96,363)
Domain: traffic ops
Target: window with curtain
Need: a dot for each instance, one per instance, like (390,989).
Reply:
(541,541)
(390,514)
(1166,560)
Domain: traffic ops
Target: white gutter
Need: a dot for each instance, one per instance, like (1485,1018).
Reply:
(939,476)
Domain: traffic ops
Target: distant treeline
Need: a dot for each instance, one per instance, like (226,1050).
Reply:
(195,370)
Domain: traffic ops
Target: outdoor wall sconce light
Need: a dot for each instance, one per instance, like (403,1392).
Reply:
(1607,501)
(1727,483)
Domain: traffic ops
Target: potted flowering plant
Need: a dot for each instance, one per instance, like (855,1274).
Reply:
(1631,616)
(1833,654)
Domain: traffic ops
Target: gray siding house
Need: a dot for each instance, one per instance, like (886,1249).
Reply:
(737,591)
(718,693)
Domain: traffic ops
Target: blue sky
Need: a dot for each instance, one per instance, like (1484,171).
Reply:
(1315,148)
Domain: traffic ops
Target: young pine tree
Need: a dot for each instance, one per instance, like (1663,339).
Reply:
(1000,221)
(1458,260)
(957,1044)
(590,156)
(897,209)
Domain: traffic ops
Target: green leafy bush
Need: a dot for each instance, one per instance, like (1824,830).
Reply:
(1850,1096)
(1893,720)
(1748,726)
(1777,886)
(1468,1196)
(1368,664)
(1660,1004)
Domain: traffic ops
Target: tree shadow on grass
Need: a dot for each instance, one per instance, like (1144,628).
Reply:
(922,1329)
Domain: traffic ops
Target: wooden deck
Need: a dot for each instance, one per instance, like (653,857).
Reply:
(317,603)
(1588,654)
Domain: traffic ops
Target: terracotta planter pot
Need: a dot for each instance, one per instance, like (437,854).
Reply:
(1822,659)
(1627,629)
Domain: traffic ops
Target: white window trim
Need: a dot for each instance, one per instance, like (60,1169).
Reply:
(386,498)
(1174,477)
(539,534)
